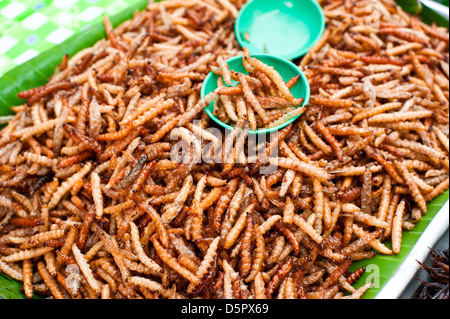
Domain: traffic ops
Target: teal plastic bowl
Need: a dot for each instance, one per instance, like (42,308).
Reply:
(287,29)
(287,70)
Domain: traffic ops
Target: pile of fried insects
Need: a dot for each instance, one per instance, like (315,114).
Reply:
(94,206)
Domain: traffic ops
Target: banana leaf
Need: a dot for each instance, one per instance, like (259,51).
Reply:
(37,71)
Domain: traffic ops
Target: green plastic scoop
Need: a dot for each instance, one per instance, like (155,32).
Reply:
(285,68)
(287,29)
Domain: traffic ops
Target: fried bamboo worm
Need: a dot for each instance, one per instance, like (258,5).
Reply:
(234,232)
(278,277)
(161,228)
(207,260)
(28,132)
(246,256)
(68,184)
(27,254)
(172,210)
(223,203)
(308,229)
(49,281)
(416,194)
(152,285)
(258,258)
(225,70)
(111,34)
(397,222)
(326,102)
(330,139)
(190,114)
(374,135)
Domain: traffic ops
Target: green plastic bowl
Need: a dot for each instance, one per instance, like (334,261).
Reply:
(287,71)
(287,29)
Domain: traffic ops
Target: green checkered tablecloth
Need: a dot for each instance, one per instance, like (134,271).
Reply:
(29,27)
